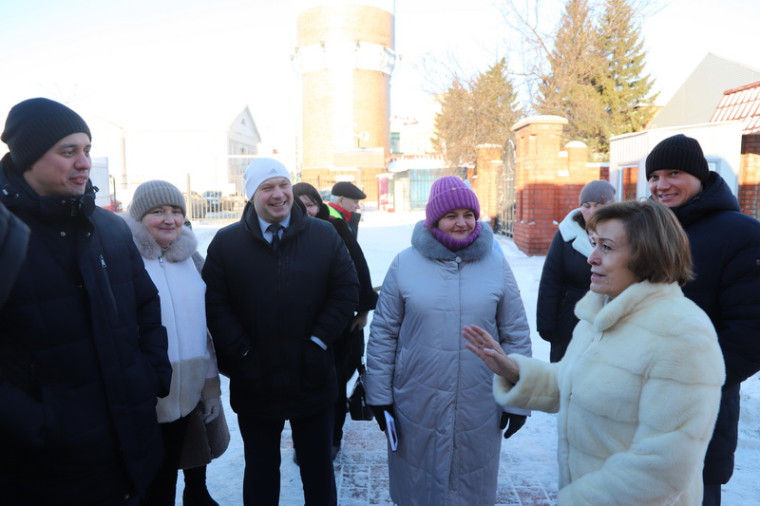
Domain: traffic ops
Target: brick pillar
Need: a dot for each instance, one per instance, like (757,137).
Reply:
(749,176)
(488,162)
(540,171)
(571,182)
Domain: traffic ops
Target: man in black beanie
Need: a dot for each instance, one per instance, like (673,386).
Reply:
(82,350)
(725,247)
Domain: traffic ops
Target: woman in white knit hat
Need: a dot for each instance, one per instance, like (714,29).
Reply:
(156,218)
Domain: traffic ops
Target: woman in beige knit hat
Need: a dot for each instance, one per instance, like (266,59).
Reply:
(192,412)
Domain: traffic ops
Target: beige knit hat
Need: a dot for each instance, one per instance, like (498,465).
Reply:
(152,194)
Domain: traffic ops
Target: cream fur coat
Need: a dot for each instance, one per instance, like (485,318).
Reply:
(637,395)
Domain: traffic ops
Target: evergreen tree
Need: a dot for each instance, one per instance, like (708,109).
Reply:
(595,74)
(479,112)
(624,88)
(453,125)
(569,90)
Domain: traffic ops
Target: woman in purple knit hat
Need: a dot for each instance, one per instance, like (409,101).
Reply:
(418,370)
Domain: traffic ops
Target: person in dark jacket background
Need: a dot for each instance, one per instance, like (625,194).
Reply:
(281,288)
(83,355)
(566,274)
(349,349)
(725,245)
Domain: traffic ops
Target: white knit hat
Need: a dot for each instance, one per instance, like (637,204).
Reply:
(261,169)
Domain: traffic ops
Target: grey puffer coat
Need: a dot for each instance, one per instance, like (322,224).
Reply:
(446,416)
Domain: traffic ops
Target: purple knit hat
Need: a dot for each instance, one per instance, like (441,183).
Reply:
(446,194)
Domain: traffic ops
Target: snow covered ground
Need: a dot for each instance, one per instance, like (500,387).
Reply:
(382,235)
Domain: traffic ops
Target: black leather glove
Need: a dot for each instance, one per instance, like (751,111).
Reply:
(379,412)
(515,423)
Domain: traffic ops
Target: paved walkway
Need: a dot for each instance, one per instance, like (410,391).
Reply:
(361,470)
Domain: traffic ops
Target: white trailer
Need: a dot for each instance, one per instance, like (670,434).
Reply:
(101,179)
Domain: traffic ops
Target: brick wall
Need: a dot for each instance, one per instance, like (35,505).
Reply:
(549,178)
(749,176)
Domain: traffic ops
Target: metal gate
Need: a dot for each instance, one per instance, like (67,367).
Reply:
(507,195)
(216,205)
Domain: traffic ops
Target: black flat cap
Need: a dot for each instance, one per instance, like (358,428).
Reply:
(346,189)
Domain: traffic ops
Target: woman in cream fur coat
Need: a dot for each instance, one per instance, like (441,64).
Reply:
(156,218)
(638,390)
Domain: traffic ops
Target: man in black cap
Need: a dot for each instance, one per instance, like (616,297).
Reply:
(725,246)
(82,350)
(344,204)
(349,349)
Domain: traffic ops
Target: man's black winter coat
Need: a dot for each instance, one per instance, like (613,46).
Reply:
(263,306)
(82,357)
(725,246)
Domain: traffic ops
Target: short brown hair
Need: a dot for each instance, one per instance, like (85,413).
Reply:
(660,250)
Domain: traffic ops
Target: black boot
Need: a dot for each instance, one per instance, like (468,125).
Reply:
(196,493)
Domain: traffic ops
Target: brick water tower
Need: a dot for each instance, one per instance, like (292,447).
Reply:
(344,59)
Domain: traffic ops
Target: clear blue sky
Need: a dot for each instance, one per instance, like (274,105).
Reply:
(138,59)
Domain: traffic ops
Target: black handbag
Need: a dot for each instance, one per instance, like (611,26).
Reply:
(357,402)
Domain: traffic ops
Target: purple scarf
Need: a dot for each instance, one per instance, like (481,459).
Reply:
(453,244)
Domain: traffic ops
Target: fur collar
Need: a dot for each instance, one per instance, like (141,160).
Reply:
(571,230)
(178,251)
(603,316)
(428,246)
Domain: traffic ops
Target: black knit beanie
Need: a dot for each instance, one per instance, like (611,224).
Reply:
(679,153)
(34,126)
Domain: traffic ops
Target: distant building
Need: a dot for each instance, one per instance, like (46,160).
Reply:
(345,57)
(696,99)
(195,154)
(412,133)
(730,139)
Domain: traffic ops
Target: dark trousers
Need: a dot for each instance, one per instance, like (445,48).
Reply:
(712,495)
(348,351)
(163,488)
(195,479)
(341,407)
(312,438)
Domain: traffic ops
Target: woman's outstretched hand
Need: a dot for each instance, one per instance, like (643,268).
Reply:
(484,346)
